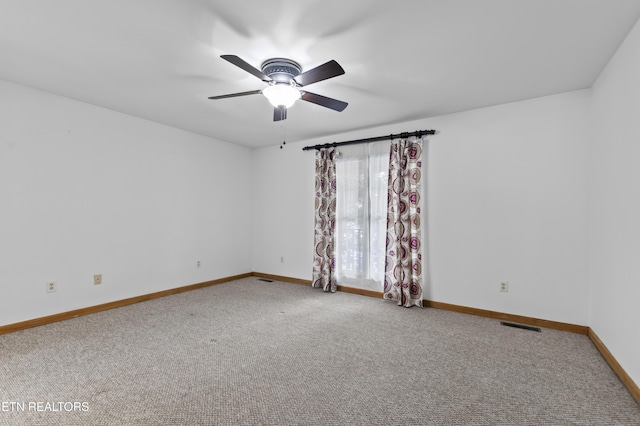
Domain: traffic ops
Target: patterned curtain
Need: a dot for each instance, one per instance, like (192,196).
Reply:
(403,268)
(324,262)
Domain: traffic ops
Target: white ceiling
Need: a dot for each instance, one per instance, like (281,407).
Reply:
(404,59)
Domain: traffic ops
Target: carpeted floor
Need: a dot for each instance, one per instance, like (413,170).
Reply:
(251,352)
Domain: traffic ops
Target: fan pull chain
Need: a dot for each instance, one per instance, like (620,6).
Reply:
(284,134)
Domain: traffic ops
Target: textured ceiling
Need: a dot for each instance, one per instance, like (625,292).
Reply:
(404,60)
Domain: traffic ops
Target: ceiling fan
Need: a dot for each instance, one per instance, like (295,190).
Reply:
(285,78)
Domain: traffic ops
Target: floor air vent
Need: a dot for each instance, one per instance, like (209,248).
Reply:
(265,280)
(524,327)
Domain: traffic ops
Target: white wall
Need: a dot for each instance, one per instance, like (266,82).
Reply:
(85,190)
(507,201)
(283,196)
(614,170)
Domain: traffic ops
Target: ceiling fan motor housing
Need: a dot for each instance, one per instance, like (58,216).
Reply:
(281,70)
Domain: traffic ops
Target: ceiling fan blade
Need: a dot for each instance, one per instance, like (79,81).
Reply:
(324,101)
(279,113)
(241,63)
(322,72)
(234,95)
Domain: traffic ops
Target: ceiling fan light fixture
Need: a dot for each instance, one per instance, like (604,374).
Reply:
(281,94)
(285,78)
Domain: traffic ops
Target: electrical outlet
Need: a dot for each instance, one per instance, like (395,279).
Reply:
(504,286)
(197,263)
(281,259)
(51,286)
(97,279)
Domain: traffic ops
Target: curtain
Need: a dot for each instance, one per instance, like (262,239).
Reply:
(403,265)
(324,262)
(361,214)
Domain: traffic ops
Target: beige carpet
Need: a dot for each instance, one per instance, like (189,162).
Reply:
(250,352)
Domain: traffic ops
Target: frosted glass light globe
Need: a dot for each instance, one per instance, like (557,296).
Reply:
(281,95)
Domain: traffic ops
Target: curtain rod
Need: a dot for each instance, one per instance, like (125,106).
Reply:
(404,135)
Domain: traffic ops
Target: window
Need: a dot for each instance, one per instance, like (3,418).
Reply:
(361,215)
